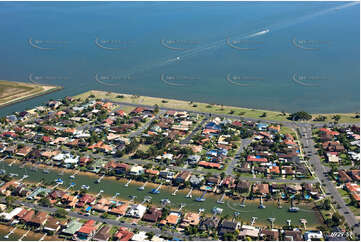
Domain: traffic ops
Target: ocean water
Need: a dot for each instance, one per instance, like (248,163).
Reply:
(287,56)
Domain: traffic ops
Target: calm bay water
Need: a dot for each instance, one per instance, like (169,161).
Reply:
(279,56)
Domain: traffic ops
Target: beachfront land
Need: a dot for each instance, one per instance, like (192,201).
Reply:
(191,105)
(169,170)
(11,92)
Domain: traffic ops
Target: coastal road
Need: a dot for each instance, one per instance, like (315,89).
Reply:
(244,144)
(107,221)
(321,176)
(202,113)
(287,123)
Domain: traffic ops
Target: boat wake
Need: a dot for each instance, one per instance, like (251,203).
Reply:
(181,55)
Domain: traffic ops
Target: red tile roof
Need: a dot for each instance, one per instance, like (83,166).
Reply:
(209,164)
(252,158)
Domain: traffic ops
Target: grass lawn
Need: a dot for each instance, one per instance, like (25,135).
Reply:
(126,108)
(355,210)
(204,107)
(342,192)
(287,130)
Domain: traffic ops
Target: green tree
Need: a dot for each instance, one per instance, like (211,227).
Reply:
(156,108)
(326,204)
(337,219)
(61,213)
(44,202)
(150,235)
(336,117)
(301,115)
(9,200)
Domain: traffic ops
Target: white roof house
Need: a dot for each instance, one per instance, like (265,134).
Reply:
(311,235)
(67,158)
(59,157)
(12,214)
(165,156)
(136,170)
(140,236)
(136,211)
(71,160)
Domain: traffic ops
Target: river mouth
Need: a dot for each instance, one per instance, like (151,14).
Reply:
(112,186)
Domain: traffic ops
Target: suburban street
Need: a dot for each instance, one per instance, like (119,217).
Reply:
(321,176)
(244,144)
(140,130)
(194,131)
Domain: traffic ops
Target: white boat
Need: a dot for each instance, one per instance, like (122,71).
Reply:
(86,187)
(72,177)
(293,209)
(165,201)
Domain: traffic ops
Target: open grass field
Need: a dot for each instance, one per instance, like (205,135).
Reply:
(210,108)
(11,92)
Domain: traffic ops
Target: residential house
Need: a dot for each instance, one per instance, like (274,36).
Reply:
(152,215)
(72,228)
(173,218)
(103,234)
(260,189)
(248,231)
(87,230)
(24,151)
(52,225)
(136,211)
(292,235)
(243,186)
(213,180)
(343,177)
(119,210)
(269,234)
(228,227)
(123,234)
(182,177)
(190,218)
(136,170)
(38,219)
(209,223)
